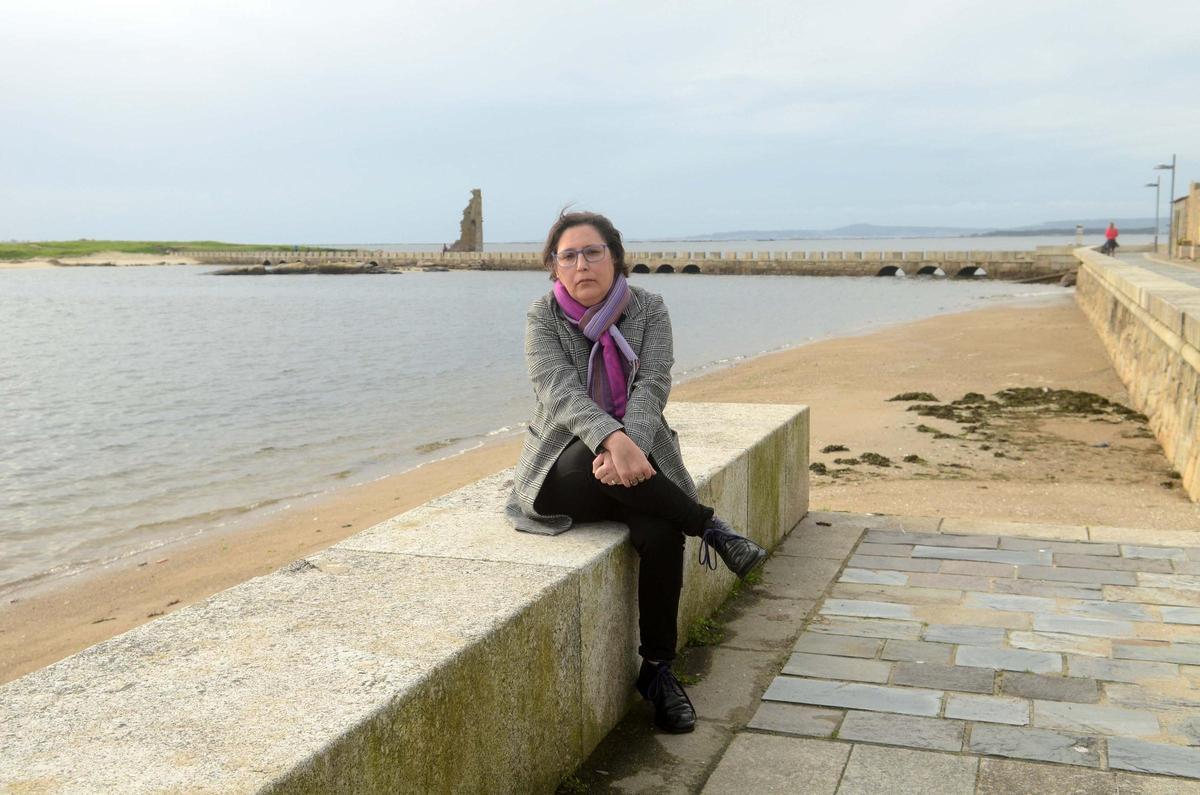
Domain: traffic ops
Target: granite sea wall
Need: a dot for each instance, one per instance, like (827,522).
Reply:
(1150,324)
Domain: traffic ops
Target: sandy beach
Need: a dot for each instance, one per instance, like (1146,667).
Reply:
(100,258)
(1019,463)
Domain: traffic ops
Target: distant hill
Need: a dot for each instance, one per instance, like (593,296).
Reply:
(863,230)
(1091,226)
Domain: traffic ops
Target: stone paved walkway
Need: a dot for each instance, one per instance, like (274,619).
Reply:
(930,655)
(1186,273)
(974,657)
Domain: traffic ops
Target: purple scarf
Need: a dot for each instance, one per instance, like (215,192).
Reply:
(610,373)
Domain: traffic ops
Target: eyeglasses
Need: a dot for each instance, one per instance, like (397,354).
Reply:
(569,257)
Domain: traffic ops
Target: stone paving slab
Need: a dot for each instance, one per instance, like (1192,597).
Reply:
(866,627)
(944,677)
(1047,588)
(911,595)
(904,700)
(1055,688)
(828,667)
(872,770)
(1008,776)
(1129,754)
(1060,547)
(886,563)
(762,763)
(1094,719)
(840,645)
(868,576)
(1040,744)
(784,718)
(965,635)
(1070,661)
(907,730)
(1060,642)
(989,709)
(917,651)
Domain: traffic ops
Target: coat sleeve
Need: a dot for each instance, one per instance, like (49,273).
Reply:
(652,384)
(557,387)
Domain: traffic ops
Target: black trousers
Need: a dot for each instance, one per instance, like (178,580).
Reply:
(659,515)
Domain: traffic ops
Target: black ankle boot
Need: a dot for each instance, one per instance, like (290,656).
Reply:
(673,710)
(740,554)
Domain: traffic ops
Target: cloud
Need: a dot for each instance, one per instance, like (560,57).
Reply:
(371,120)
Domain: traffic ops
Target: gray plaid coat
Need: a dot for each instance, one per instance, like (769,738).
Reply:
(556,354)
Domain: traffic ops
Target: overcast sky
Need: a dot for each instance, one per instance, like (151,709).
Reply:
(364,121)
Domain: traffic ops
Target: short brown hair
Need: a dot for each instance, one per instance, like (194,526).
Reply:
(566,220)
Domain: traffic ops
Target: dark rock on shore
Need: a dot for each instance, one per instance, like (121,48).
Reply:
(304,267)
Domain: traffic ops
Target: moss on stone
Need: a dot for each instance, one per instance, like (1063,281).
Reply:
(705,632)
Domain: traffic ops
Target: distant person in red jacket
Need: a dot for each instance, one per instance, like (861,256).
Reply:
(1110,239)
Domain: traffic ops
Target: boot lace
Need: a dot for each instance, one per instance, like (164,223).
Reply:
(706,557)
(664,680)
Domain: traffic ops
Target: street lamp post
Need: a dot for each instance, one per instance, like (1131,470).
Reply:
(1157,185)
(1170,206)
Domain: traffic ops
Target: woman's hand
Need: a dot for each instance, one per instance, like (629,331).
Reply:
(621,461)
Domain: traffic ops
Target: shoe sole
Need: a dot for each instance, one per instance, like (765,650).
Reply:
(675,730)
(758,561)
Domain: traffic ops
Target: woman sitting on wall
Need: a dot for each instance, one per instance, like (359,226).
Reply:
(599,354)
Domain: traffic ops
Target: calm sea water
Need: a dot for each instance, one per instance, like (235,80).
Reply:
(146,404)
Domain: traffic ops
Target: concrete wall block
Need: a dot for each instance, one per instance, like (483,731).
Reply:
(437,651)
(795,471)
(723,487)
(608,622)
(767,465)
(505,737)
(274,681)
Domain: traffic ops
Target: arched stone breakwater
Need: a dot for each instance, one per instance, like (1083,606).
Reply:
(1045,261)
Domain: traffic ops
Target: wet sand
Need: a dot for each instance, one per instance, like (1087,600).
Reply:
(1088,469)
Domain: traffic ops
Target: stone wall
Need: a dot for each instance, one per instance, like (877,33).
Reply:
(440,651)
(1151,327)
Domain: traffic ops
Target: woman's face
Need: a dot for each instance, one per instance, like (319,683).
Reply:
(587,282)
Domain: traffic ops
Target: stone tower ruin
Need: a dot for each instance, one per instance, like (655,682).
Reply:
(470,236)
